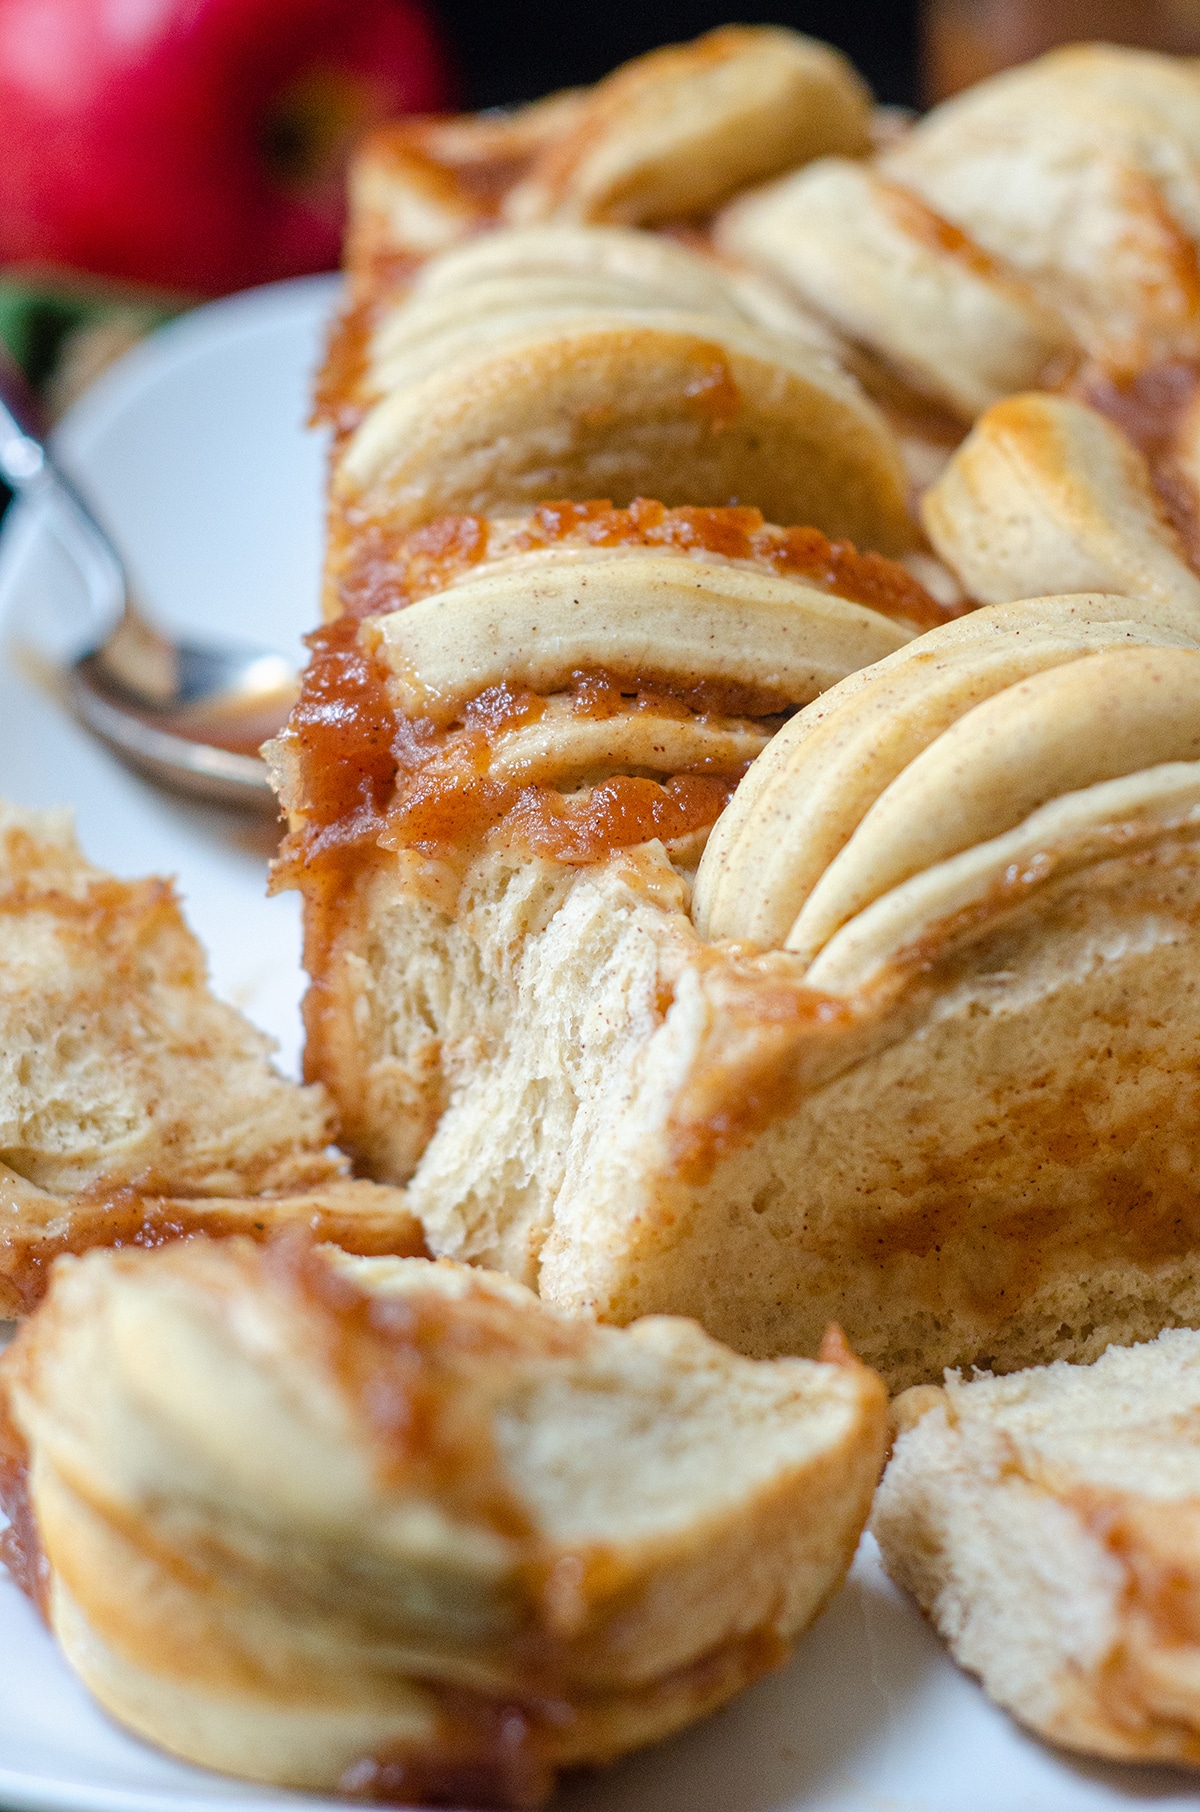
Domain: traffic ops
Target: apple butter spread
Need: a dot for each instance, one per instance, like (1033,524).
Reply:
(365,774)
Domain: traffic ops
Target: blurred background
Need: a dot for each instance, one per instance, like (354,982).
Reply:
(510,53)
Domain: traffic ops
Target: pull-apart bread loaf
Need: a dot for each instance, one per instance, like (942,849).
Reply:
(135,1107)
(527,696)
(1049,1524)
(397,1528)
(916,1052)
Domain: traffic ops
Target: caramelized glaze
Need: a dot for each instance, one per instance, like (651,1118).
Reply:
(121,1217)
(368,780)
(915,217)
(493,1752)
(344,731)
(340,394)
(385,572)
(486,1752)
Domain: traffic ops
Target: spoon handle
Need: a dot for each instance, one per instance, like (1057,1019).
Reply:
(27,467)
(22,455)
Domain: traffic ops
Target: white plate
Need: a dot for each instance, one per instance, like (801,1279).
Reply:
(193,449)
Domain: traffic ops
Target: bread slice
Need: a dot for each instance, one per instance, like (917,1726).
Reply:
(1046,495)
(1047,1524)
(134,1105)
(873,259)
(669,136)
(396,1528)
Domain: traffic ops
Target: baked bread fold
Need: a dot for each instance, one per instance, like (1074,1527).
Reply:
(579,362)
(398,1529)
(1079,170)
(134,1106)
(873,259)
(672,134)
(1047,494)
(1041,229)
(1048,1525)
(664,138)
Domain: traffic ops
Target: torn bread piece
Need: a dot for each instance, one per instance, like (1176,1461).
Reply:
(395,1528)
(1049,1525)
(134,1105)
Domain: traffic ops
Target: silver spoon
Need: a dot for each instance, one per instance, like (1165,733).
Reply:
(188,714)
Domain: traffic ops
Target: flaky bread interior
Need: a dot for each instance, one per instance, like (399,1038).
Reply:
(983,1157)
(1049,1525)
(398,1528)
(118,1061)
(134,1105)
(586,677)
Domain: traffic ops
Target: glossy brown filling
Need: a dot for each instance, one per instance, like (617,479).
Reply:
(383,572)
(491,1752)
(370,778)
(117,1218)
(486,1753)
(367,778)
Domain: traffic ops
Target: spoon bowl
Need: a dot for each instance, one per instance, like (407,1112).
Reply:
(190,715)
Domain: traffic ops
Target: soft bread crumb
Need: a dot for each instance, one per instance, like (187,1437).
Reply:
(1049,1524)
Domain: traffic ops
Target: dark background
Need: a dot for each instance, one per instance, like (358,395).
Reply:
(517,52)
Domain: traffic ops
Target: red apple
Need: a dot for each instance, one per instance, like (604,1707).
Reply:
(197,144)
